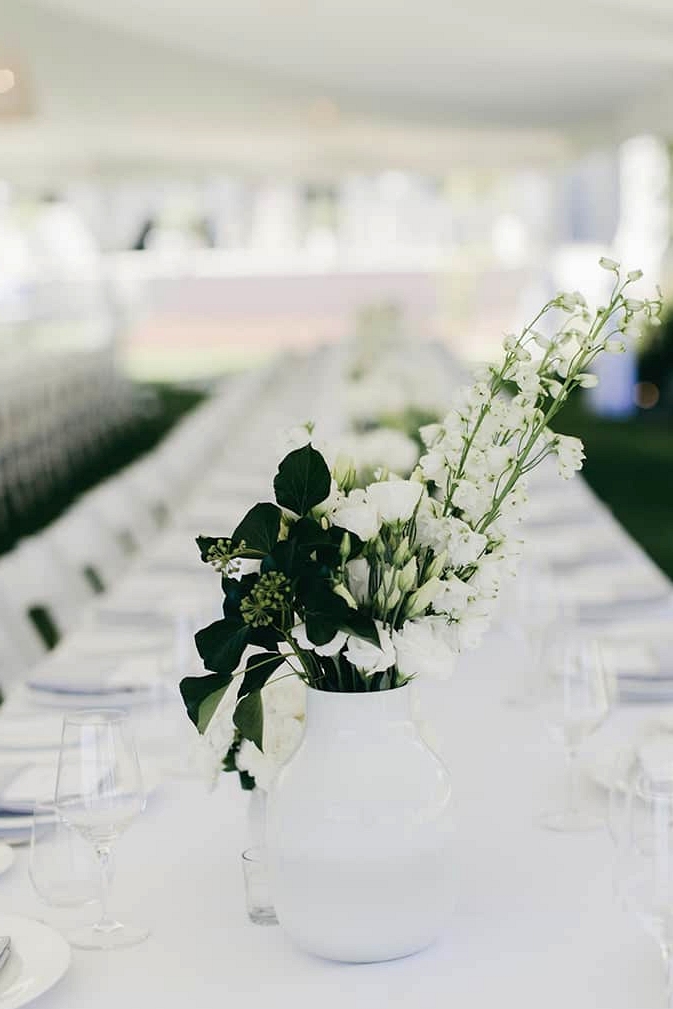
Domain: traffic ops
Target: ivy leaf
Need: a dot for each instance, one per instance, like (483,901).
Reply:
(325,613)
(259,528)
(195,690)
(249,718)
(222,644)
(302,481)
(208,708)
(235,590)
(258,670)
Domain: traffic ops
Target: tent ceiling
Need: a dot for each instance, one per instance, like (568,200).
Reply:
(302,86)
(521,63)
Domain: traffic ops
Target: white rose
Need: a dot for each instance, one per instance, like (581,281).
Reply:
(395,500)
(356,514)
(331,647)
(367,657)
(423,648)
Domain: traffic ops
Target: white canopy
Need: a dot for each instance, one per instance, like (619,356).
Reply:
(292,85)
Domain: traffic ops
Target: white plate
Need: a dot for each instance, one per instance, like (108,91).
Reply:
(6,858)
(39,958)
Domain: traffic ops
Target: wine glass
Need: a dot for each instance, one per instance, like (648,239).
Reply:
(576,694)
(642,828)
(61,865)
(99,792)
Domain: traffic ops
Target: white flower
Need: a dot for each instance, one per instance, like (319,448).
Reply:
(464,545)
(330,648)
(418,601)
(433,467)
(615,346)
(356,514)
(395,500)
(608,264)
(570,453)
(454,596)
(430,433)
(634,275)
(587,380)
(423,648)
(357,577)
(466,495)
(527,379)
(367,657)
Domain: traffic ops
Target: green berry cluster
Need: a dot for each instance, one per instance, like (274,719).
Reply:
(268,601)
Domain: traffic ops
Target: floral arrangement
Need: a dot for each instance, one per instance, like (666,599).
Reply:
(346,588)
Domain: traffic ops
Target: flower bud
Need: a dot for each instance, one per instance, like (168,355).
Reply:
(615,346)
(437,565)
(345,546)
(608,264)
(586,380)
(407,577)
(340,590)
(401,553)
(634,275)
(418,601)
(344,472)
(634,304)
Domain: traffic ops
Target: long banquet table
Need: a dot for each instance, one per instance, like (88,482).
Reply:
(535,922)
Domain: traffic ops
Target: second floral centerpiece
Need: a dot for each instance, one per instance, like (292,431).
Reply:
(357,590)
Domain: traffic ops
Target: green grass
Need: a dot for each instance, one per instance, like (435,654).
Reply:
(630,466)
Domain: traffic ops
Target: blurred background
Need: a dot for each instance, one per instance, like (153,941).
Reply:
(188,190)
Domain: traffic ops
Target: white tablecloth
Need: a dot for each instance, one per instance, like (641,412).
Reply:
(535,922)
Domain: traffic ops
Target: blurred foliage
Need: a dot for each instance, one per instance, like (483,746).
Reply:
(630,466)
(158,408)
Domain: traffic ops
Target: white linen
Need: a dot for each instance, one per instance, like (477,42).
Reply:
(534,923)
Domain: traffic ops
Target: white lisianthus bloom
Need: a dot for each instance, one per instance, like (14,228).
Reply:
(367,657)
(395,500)
(356,514)
(570,453)
(357,578)
(423,648)
(472,624)
(330,648)
(454,596)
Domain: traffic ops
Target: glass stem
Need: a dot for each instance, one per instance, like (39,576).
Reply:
(667,957)
(106,923)
(572,780)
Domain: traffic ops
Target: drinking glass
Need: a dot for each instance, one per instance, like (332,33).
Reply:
(643,834)
(576,694)
(257,896)
(62,866)
(99,792)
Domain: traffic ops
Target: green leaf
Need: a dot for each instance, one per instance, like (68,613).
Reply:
(208,708)
(302,481)
(196,689)
(249,718)
(325,613)
(222,644)
(258,670)
(259,528)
